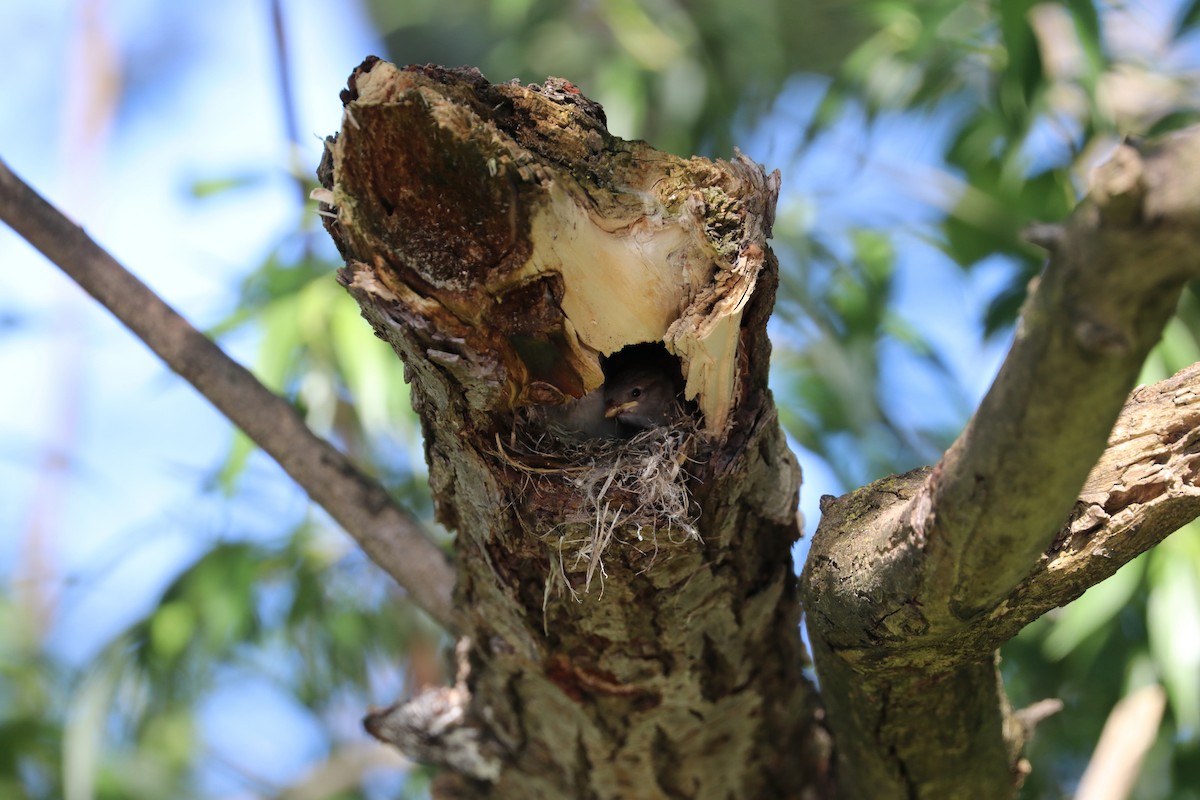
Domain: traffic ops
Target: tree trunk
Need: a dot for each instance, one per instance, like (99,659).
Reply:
(630,604)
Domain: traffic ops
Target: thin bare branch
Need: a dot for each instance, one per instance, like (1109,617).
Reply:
(287,96)
(1124,742)
(343,770)
(388,534)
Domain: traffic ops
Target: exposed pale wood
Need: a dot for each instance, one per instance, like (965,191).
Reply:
(647,247)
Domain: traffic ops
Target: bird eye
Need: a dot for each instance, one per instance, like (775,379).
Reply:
(635,394)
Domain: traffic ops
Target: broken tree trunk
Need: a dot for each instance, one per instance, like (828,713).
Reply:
(628,606)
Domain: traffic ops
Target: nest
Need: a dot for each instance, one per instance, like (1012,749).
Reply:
(628,493)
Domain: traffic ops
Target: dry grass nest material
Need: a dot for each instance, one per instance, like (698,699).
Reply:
(631,492)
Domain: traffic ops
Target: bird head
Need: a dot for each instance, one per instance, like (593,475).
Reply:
(641,398)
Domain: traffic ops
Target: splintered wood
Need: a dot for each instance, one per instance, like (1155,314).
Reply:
(531,268)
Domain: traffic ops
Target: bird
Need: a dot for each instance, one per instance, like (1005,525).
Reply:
(584,418)
(642,397)
(642,390)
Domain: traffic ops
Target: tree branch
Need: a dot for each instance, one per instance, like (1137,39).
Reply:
(913,581)
(1126,739)
(1000,493)
(386,532)
(1145,487)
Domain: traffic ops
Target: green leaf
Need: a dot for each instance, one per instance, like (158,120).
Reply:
(235,462)
(1022,77)
(1177,349)
(171,629)
(1090,38)
(210,187)
(1173,622)
(1188,19)
(828,111)
(83,737)
(876,253)
(1173,121)
(173,734)
(1002,310)
(1090,614)
(373,374)
(277,362)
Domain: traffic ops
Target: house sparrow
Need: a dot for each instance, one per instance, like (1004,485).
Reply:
(642,398)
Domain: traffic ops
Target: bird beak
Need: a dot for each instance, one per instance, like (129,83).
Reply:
(620,408)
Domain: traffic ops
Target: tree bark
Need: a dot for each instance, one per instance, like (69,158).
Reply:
(912,582)
(630,606)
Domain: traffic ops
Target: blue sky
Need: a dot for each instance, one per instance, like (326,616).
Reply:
(140,441)
(124,510)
